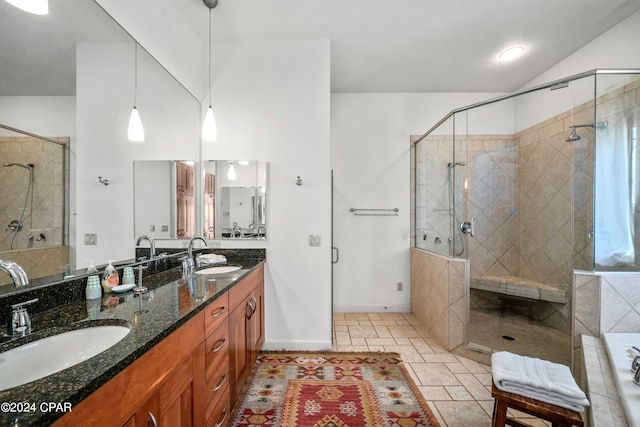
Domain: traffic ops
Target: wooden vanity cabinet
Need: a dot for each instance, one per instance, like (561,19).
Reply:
(246,328)
(194,376)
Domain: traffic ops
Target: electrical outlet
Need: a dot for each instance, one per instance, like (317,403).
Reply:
(399,286)
(165,228)
(315,240)
(90,239)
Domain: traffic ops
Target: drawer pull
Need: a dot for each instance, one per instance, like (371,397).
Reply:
(151,419)
(218,347)
(223,418)
(218,312)
(255,304)
(249,310)
(223,380)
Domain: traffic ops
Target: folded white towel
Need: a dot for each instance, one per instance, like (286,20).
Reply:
(538,379)
(212,259)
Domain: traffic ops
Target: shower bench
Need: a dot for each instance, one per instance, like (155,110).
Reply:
(520,288)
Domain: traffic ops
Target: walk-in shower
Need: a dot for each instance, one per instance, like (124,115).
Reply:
(34,184)
(523,211)
(16,225)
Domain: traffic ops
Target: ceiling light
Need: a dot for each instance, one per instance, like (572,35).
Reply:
(209,130)
(243,162)
(135,130)
(511,53)
(37,7)
(231,175)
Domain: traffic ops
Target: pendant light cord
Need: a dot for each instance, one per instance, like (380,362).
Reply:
(210,47)
(135,75)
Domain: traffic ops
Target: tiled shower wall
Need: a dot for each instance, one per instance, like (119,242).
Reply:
(47,256)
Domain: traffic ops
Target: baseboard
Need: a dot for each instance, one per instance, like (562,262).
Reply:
(296,345)
(372,308)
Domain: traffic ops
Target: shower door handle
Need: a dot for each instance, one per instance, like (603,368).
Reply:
(468,227)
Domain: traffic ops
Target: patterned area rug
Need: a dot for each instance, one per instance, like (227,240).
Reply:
(291,389)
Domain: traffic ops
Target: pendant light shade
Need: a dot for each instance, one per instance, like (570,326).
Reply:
(135,131)
(209,129)
(37,7)
(231,175)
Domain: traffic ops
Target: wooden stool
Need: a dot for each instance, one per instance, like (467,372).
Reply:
(557,415)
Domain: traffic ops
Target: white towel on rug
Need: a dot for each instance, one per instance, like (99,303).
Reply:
(538,379)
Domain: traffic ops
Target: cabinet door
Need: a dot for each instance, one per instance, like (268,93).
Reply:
(176,396)
(239,365)
(256,326)
(148,415)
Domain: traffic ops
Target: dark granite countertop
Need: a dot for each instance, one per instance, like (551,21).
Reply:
(169,303)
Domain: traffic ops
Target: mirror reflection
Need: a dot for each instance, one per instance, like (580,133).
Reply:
(167,212)
(237,207)
(70,76)
(234,199)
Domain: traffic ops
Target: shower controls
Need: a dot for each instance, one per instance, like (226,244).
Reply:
(468,227)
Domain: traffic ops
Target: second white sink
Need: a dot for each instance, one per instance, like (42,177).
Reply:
(219,270)
(38,359)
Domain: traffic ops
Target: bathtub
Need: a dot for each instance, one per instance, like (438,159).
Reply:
(621,354)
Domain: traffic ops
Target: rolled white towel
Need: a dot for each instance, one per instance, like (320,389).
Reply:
(538,379)
(212,259)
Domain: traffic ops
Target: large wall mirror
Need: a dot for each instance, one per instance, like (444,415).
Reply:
(234,199)
(70,77)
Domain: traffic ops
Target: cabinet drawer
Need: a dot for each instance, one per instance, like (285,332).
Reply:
(217,388)
(216,350)
(216,313)
(240,291)
(221,412)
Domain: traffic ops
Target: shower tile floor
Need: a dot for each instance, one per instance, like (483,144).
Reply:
(458,389)
(510,330)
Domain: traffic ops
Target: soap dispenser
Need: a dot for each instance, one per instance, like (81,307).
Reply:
(110,278)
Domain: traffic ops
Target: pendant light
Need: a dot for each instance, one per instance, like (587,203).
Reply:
(135,131)
(37,7)
(209,131)
(231,175)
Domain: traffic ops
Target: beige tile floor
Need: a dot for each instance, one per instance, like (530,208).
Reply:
(458,389)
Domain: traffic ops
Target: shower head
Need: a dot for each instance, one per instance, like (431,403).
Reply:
(573,136)
(28,166)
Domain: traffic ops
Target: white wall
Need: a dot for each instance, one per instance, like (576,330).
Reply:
(616,48)
(161,28)
(271,101)
(42,115)
(370,161)
(170,118)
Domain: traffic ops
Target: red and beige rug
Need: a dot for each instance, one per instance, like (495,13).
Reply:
(331,390)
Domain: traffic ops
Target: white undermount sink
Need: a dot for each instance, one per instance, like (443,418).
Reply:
(219,270)
(47,356)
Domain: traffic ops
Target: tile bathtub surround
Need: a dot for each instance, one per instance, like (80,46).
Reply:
(457,388)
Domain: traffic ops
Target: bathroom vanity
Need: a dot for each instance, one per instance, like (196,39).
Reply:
(185,360)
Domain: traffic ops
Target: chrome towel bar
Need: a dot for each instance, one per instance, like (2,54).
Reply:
(375,212)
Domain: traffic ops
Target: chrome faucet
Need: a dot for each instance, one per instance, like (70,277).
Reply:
(262,231)
(20,322)
(152,246)
(237,231)
(188,262)
(16,272)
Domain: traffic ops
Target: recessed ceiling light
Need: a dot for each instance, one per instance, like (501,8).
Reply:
(511,53)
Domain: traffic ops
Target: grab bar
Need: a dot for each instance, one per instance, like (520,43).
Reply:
(375,212)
